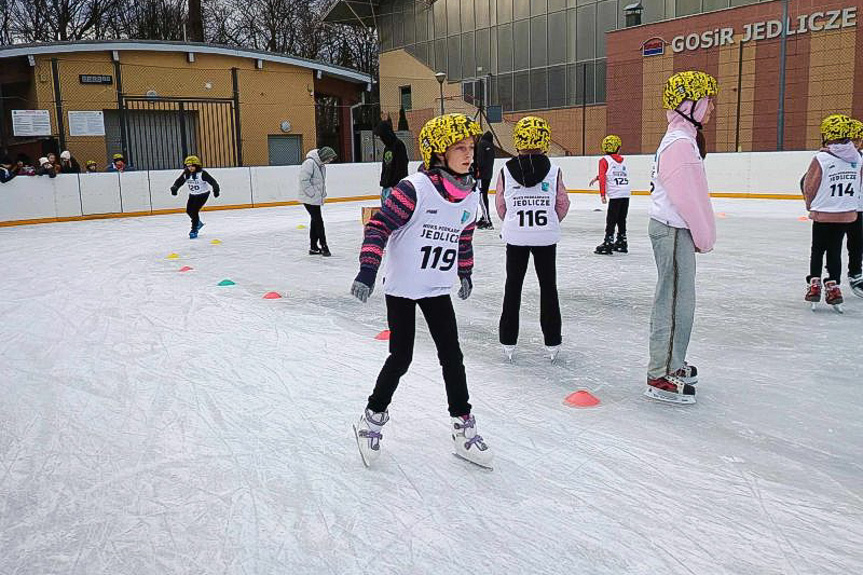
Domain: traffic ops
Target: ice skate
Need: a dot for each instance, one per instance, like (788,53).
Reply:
(620,245)
(199,226)
(508,351)
(468,444)
(688,373)
(325,251)
(368,434)
(193,234)
(833,296)
(314,251)
(670,389)
(553,351)
(813,294)
(606,247)
(856,283)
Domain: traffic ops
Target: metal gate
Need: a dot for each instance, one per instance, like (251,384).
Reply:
(160,132)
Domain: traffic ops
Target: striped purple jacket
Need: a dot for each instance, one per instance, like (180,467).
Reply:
(395,212)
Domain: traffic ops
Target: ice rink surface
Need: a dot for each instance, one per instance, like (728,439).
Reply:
(152,422)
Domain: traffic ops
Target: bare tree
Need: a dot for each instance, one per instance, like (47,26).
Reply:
(292,27)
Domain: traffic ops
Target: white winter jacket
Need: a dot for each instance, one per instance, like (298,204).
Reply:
(313,175)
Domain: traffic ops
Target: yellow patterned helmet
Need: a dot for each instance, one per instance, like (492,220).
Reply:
(690,85)
(441,132)
(116,157)
(611,144)
(192,161)
(836,127)
(532,133)
(856,129)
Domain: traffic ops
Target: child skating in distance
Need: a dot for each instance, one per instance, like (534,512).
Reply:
(199,183)
(615,190)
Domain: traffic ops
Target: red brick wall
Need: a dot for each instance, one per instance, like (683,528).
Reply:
(814,59)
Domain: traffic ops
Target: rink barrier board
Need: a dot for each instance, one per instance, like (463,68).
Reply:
(760,175)
(166,211)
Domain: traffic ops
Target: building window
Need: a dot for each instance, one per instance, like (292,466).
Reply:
(405,97)
(521,45)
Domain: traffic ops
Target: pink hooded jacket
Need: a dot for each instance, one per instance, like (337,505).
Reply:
(684,179)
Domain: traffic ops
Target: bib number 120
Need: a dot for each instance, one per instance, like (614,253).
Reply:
(434,257)
(533,218)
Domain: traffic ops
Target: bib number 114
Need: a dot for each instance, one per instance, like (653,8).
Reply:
(437,258)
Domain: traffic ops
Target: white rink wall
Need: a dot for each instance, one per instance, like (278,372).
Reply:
(75,196)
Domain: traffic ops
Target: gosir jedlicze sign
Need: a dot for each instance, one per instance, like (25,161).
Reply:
(766,30)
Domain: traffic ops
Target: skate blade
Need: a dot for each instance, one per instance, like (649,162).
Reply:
(813,306)
(668,397)
(480,465)
(838,308)
(359,447)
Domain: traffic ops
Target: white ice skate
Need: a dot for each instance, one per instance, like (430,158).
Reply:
(468,444)
(368,434)
(552,351)
(670,389)
(508,351)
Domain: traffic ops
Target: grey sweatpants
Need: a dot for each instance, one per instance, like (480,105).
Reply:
(674,300)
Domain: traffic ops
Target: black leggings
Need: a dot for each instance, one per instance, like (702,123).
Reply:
(826,238)
(618,209)
(544,262)
(440,317)
(316,229)
(194,205)
(483,193)
(854,234)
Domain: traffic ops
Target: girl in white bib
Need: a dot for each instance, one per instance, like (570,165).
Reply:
(426,225)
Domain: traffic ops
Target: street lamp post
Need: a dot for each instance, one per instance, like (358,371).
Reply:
(440,77)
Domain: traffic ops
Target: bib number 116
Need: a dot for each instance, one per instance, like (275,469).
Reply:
(532,218)
(437,258)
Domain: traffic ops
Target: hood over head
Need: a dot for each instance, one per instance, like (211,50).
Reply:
(529,170)
(384,131)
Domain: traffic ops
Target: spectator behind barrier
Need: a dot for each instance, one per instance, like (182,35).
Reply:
(68,164)
(118,164)
(8,169)
(25,166)
(92,167)
(46,168)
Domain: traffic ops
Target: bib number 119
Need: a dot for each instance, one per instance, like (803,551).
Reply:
(437,258)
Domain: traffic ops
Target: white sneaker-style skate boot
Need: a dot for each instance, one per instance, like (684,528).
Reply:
(508,350)
(368,434)
(468,444)
(552,351)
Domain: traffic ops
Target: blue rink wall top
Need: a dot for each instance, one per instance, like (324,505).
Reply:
(31,198)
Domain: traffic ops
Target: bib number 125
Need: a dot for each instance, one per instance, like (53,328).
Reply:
(437,258)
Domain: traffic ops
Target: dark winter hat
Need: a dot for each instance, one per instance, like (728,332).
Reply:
(326,154)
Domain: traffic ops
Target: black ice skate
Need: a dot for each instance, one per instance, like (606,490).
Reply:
(620,245)
(606,247)
(856,283)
